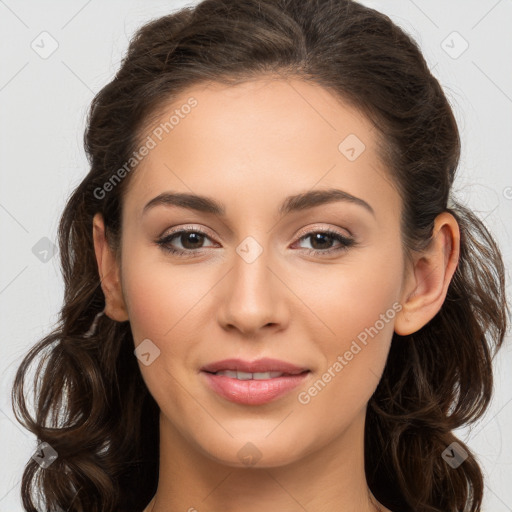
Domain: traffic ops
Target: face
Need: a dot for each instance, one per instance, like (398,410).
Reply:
(314,281)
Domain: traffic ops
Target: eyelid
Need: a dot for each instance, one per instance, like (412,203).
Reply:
(322,227)
(303,232)
(185,227)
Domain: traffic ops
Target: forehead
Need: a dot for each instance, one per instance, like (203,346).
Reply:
(262,139)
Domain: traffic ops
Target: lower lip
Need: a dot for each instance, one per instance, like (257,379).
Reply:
(253,392)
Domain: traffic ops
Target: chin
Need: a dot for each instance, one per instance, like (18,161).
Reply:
(256,451)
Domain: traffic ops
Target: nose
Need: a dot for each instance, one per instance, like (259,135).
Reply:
(252,299)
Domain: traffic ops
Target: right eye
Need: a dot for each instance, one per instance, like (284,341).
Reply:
(187,237)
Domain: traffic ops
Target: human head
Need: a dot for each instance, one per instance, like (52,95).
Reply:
(359,56)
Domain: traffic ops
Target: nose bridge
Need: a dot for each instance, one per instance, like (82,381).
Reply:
(251,295)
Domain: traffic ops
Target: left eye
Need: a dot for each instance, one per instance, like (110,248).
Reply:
(191,241)
(319,238)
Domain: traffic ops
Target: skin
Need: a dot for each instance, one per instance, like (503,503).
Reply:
(249,146)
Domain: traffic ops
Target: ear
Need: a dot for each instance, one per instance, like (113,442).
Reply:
(427,281)
(108,269)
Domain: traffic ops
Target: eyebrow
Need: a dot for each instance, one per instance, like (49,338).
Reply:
(291,204)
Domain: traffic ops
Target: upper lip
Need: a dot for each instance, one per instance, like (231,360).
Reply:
(258,366)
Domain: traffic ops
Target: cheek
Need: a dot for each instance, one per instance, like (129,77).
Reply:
(161,306)
(354,360)
(358,303)
(159,295)
(356,295)
(375,285)
(164,301)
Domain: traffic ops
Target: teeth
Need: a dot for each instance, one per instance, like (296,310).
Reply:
(266,375)
(228,373)
(248,376)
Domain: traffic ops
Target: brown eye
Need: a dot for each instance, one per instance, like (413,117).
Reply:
(322,242)
(190,240)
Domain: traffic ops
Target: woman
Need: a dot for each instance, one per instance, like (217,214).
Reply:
(206,358)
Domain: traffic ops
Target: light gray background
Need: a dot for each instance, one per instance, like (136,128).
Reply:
(43,103)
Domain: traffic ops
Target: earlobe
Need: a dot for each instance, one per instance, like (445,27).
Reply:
(108,269)
(427,282)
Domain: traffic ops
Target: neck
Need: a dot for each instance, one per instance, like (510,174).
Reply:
(331,479)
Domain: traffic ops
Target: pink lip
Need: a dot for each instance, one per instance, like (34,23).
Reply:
(260,365)
(253,392)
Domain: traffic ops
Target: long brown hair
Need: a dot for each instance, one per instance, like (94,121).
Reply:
(91,404)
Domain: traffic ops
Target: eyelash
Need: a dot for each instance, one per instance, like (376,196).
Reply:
(165,241)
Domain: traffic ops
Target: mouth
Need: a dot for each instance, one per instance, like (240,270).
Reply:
(258,367)
(253,383)
(254,376)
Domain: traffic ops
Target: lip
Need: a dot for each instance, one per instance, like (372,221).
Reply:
(253,392)
(265,364)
